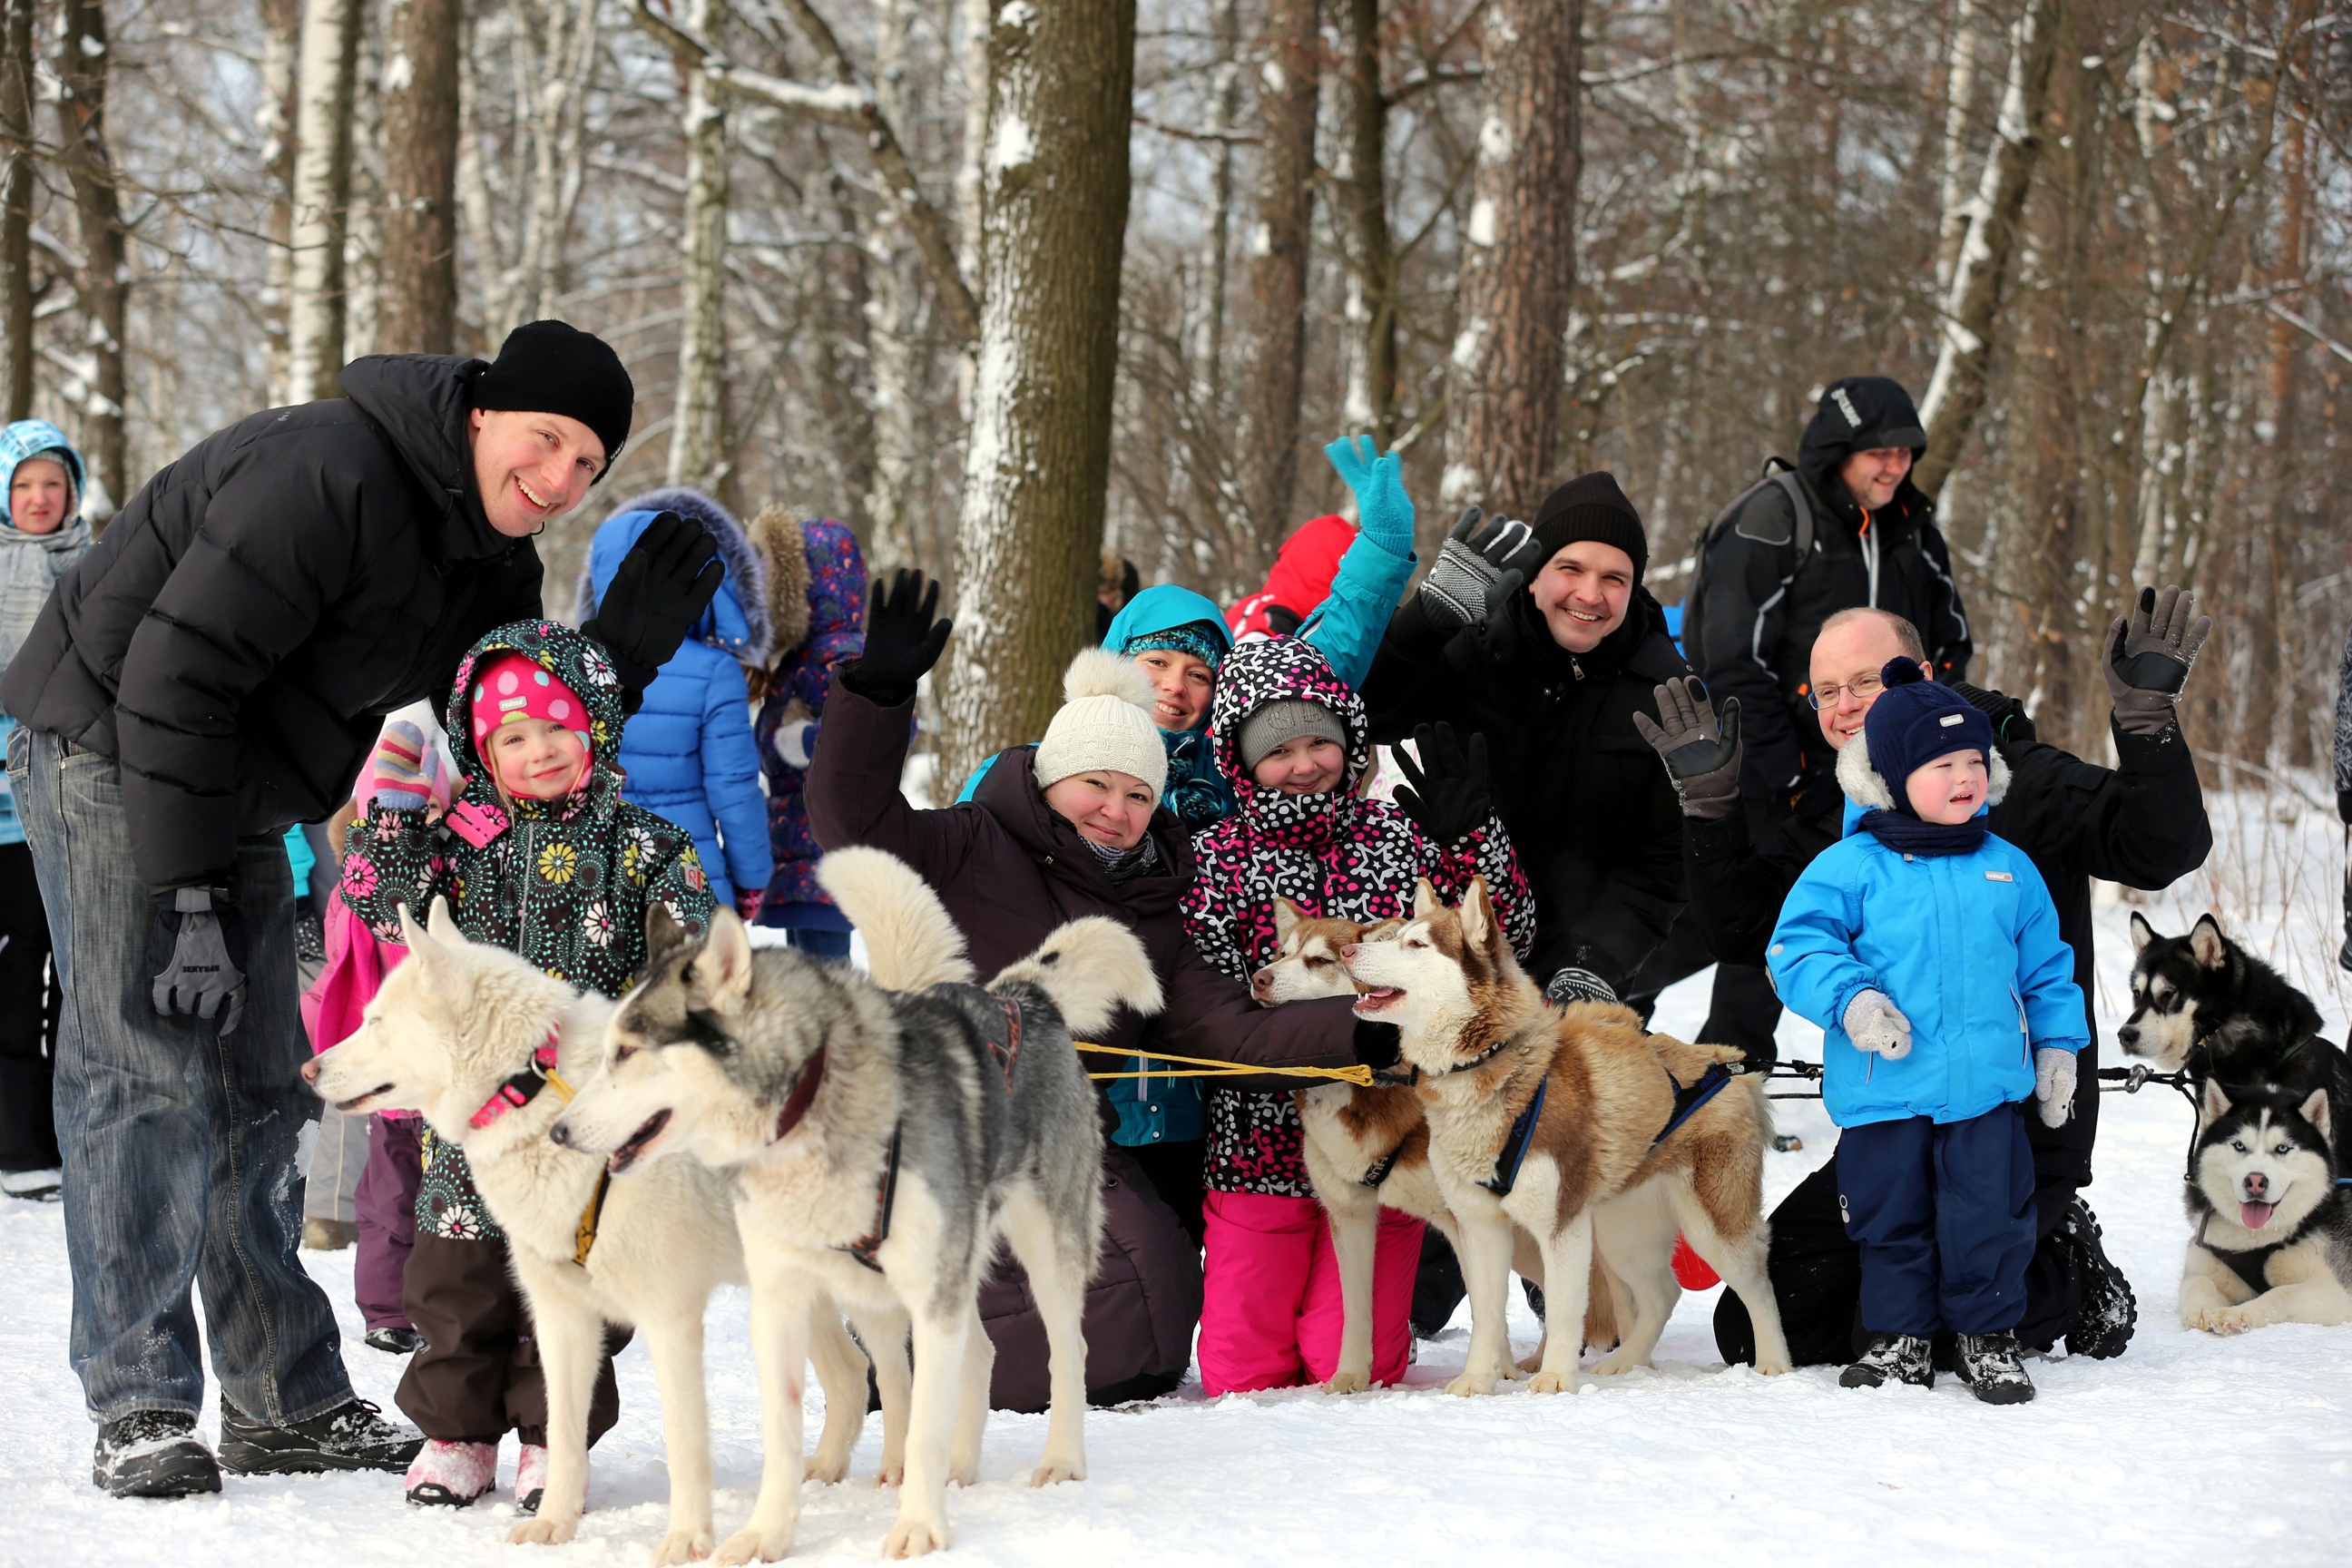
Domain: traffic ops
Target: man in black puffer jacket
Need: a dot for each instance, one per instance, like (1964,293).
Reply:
(212,671)
(1552,674)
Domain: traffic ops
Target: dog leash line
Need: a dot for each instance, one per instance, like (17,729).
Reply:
(1205,1067)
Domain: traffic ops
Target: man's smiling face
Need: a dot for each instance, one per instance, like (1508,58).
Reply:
(531,469)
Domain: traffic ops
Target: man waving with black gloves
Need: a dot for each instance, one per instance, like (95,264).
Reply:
(212,671)
(2141,822)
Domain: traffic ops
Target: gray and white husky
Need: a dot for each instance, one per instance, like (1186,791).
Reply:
(463,1026)
(888,1132)
(2270,1237)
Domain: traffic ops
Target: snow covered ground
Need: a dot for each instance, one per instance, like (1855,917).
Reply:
(2188,1448)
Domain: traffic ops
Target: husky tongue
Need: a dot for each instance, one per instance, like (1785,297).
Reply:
(2254,1215)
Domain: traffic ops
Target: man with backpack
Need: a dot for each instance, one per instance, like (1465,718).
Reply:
(1845,529)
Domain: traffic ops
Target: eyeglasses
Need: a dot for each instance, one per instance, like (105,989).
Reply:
(1863,689)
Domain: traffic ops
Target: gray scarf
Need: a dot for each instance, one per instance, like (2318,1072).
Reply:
(1119,865)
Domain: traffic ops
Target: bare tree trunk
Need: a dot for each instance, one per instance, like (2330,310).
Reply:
(1519,261)
(1956,392)
(1289,81)
(281,41)
(1362,181)
(898,504)
(697,432)
(1053,207)
(1959,102)
(322,188)
(17,206)
(418,308)
(1207,336)
(104,286)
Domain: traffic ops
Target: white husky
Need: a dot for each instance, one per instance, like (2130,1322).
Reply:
(463,1026)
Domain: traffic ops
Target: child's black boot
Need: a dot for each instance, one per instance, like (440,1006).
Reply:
(1990,1366)
(1891,1358)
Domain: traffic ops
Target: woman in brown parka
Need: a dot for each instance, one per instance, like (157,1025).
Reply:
(1069,826)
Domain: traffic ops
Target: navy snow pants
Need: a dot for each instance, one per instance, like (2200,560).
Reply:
(1944,1215)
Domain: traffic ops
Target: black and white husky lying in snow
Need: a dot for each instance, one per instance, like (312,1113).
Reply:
(2270,1231)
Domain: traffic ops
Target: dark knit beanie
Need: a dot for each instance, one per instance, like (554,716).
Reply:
(553,367)
(1590,506)
(1913,722)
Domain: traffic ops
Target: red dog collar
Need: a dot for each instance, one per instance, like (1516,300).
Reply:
(523,1087)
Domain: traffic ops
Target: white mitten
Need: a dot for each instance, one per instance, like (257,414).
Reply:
(1874,1024)
(794,742)
(2053,1084)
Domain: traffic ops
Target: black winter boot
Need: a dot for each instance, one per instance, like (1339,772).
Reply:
(353,1436)
(1896,1358)
(2103,1326)
(153,1453)
(1989,1365)
(395,1340)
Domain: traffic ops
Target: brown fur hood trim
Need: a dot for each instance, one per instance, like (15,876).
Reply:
(777,535)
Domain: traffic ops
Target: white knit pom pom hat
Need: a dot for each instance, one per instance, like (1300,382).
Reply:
(1104,722)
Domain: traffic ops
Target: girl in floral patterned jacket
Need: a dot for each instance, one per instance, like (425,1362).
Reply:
(538,854)
(1293,740)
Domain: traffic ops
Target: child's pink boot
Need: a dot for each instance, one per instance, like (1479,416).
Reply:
(530,1477)
(452,1475)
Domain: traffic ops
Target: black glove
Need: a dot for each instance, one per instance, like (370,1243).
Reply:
(1497,630)
(1446,791)
(2149,653)
(1575,984)
(197,947)
(1702,759)
(902,640)
(660,590)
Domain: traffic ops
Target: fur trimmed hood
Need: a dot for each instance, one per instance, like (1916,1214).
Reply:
(783,543)
(740,621)
(1867,791)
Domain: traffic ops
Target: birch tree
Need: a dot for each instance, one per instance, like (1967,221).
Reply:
(1360,179)
(1053,219)
(1519,261)
(317,298)
(1971,310)
(697,432)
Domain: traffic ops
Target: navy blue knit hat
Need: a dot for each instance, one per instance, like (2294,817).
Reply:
(1915,721)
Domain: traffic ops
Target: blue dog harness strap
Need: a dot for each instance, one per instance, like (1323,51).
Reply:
(1688,1101)
(1515,1147)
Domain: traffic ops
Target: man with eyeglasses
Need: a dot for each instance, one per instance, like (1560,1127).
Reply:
(1846,530)
(2141,822)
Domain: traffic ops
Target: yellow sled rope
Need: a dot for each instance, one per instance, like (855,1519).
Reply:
(1201,1067)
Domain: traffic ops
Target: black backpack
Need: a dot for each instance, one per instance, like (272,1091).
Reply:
(1776,471)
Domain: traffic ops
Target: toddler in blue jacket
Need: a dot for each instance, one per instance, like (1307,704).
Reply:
(1928,950)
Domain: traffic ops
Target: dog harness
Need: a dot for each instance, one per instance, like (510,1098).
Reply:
(867,1245)
(521,1091)
(1380,1168)
(1688,1100)
(1515,1146)
(796,1104)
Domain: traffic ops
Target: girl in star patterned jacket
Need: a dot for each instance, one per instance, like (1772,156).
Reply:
(1293,740)
(540,854)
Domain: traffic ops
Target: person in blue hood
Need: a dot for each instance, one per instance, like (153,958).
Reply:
(688,754)
(1928,949)
(44,536)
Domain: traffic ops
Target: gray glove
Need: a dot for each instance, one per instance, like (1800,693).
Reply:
(1468,564)
(196,943)
(2053,1084)
(1702,759)
(1874,1024)
(1574,985)
(2149,653)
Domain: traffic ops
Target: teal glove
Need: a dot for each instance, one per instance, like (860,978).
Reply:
(1383,511)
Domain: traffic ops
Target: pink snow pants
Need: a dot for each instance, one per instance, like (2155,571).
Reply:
(1270,1313)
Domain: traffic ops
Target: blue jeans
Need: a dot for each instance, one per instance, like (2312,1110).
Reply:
(179,1144)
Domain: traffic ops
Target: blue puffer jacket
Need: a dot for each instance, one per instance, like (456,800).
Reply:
(1965,945)
(688,753)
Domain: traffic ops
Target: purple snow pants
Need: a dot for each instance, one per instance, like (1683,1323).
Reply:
(386,1202)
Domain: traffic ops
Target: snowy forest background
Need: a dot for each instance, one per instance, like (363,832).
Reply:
(998,282)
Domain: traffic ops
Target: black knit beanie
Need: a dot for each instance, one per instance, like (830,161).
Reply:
(1590,506)
(553,367)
